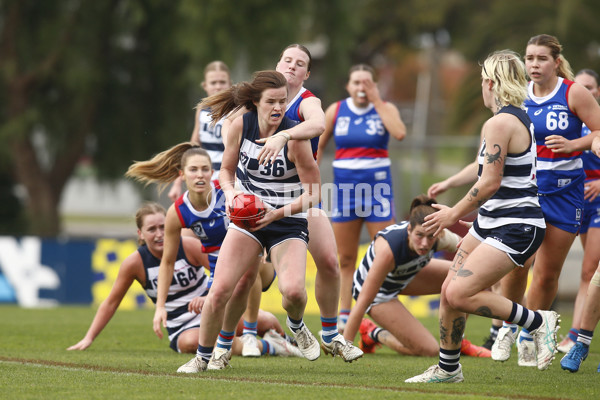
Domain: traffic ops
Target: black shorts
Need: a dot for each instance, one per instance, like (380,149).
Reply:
(278,231)
(518,241)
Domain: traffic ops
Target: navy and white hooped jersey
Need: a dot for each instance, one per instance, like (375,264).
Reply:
(516,201)
(211,139)
(591,163)
(407,263)
(210,225)
(292,111)
(189,281)
(361,139)
(551,115)
(276,184)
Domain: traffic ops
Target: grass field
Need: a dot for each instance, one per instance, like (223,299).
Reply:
(128,362)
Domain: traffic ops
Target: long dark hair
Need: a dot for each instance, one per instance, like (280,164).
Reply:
(243,94)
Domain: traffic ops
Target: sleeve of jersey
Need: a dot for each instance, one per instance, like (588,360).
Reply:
(178,204)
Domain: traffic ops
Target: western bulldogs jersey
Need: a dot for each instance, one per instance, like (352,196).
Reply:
(591,163)
(360,137)
(407,264)
(211,139)
(276,184)
(189,281)
(551,115)
(293,112)
(210,225)
(516,201)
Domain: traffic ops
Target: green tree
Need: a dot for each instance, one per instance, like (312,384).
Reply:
(116,80)
(78,77)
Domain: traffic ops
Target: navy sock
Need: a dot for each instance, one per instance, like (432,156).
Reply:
(204,353)
(295,324)
(585,337)
(449,360)
(530,320)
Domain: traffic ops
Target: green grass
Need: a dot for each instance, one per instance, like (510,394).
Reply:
(127,361)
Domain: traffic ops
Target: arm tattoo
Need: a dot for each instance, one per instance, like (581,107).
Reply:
(458,330)
(486,312)
(472,197)
(496,157)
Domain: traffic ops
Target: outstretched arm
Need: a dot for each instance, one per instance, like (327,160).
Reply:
(496,139)
(467,175)
(129,271)
(382,265)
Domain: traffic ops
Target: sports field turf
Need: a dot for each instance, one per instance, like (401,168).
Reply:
(128,362)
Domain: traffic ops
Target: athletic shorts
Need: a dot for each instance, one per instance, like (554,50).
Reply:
(381,297)
(518,241)
(565,209)
(365,194)
(591,215)
(175,332)
(278,232)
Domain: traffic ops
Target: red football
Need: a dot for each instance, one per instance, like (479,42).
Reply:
(246,209)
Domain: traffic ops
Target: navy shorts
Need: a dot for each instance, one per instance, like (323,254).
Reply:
(278,232)
(518,241)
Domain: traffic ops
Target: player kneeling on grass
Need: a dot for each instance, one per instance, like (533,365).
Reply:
(399,261)
(186,293)
(508,230)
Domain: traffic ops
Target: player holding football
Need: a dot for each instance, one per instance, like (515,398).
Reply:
(201,208)
(305,108)
(290,185)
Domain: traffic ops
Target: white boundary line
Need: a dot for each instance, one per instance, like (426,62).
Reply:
(101,369)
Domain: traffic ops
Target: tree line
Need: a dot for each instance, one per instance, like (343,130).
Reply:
(115,81)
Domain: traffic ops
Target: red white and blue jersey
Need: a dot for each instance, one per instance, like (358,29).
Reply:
(361,139)
(211,139)
(277,183)
(551,115)
(210,225)
(189,281)
(591,162)
(293,112)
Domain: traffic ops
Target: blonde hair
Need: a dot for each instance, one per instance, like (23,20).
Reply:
(145,210)
(244,94)
(506,70)
(164,167)
(217,66)
(564,68)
